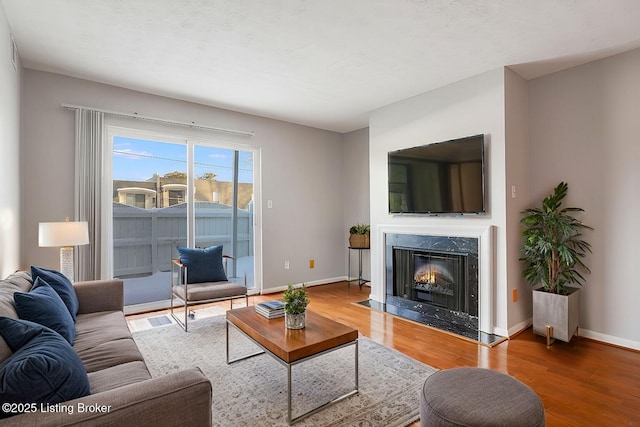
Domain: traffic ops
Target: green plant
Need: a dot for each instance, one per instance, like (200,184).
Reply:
(360,229)
(553,247)
(295,300)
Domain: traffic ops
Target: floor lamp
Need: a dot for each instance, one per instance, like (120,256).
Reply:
(65,235)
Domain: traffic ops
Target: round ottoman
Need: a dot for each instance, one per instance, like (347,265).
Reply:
(478,397)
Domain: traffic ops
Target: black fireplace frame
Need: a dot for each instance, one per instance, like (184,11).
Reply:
(442,318)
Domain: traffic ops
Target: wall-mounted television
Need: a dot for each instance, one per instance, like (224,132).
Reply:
(440,178)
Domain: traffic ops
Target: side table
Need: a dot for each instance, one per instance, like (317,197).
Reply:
(360,280)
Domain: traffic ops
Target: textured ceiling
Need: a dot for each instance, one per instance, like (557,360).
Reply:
(321,63)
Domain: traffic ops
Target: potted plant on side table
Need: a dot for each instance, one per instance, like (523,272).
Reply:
(295,306)
(553,252)
(359,236)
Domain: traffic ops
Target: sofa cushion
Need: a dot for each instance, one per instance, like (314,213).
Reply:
(16,282)
(203,265)
(103,340)
(62,286)
(42,305)
(93,329)
(110,354)
(44,368)
(206,291)
(118,376)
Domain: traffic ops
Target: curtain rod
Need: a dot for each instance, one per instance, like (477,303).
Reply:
(154,119)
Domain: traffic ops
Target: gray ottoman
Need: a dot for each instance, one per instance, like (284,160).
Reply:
(478,397)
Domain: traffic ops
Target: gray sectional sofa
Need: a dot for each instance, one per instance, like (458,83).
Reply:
(122,391)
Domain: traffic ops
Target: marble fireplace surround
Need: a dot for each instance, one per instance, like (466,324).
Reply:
(484,234)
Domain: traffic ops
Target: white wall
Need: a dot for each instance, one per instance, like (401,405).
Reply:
(301,173)
(519,307)
(10,148)
(585,130)
(355,190)
(469,107)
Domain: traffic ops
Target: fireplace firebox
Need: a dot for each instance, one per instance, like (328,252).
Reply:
(440,279)
(436,278)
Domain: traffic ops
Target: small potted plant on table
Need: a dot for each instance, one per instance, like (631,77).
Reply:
(359,236)
(552,253)
(295,306)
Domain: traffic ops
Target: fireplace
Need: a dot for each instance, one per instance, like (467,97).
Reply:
(434,277)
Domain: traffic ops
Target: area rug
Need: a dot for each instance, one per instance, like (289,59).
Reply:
(254,391)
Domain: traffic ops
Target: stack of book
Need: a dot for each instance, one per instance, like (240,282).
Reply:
(270,309)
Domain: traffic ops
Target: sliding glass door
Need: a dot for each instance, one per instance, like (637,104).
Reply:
(170,192)
(224,207)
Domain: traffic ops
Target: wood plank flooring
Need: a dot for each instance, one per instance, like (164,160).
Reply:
(583,383)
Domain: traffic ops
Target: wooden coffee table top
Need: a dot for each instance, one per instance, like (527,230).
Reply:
(319,334)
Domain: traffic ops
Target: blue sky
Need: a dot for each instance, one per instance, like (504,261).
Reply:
(138,160)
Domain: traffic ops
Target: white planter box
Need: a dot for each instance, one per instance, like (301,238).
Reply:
(561,312)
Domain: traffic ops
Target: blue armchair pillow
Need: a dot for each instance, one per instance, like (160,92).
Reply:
(61,284)
(43,368)
(44,306)
(203,265)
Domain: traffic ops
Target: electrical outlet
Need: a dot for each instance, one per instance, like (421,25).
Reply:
(286,265)
(312,263)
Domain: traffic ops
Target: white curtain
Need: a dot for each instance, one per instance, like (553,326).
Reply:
(88,184)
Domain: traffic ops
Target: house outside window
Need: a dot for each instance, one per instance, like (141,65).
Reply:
(142,198)
(173,194)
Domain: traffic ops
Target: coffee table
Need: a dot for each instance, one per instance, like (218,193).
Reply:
(291,347)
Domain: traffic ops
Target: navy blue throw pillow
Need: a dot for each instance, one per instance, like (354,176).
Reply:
(43,368)
(61,284)
(43,305)
(203,265)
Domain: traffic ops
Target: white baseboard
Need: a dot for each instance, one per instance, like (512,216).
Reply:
(307,284)
(519,327)
(610,339)
(512,330)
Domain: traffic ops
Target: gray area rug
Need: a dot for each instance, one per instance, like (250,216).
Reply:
(253,392)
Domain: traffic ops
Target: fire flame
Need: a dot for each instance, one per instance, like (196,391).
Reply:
(425,277)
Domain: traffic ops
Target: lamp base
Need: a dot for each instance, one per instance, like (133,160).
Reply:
(66,262)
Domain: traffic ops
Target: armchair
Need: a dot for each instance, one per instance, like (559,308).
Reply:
(199,277)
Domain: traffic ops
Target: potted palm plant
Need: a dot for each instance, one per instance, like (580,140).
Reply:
(295,306)
(359,236)
(552,252)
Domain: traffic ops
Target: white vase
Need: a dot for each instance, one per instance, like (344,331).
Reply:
(294,321)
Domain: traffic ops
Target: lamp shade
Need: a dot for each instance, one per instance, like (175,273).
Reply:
(66,233)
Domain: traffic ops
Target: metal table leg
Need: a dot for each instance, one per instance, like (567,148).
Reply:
(290,419)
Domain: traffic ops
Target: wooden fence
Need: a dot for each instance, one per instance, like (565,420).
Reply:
(145,240)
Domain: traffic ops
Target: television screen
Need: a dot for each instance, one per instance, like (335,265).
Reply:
(440,178)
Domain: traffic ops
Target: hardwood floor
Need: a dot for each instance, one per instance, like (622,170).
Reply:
(583,383)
